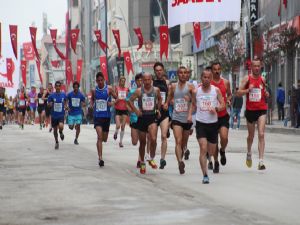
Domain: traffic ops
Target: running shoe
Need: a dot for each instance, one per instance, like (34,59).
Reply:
(143,168)
(187,154)
(152,164)
(210,165)
(162,164)
(101,163)
(62,136)
(216,167)
(147,157)
(138,164)
(121,145)
(205,179)
(223,157)
(261,166)
(181,167)
(56,146)
(76,142)
(115,136)
(249,160)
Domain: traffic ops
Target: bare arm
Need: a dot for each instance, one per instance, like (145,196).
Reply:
(221,101)
(228,92)
(112,92)
(242,89)
(170,96)
(193,99)
(159,98)
(133,97)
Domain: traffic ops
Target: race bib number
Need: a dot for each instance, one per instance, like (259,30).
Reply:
(75,102)
(101,105)
(22,103)
(41,101)
(57,107)
(205,103)
(121,94)
(181,105)
(1,101)
(136,104)
(255,95)
(32,100)
(163,96)
(148,103)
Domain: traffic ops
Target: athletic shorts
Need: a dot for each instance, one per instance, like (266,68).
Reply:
(223,122)
(74,120)
(163,115)
(102,122)
(33,108)
(2,109)
(56,121)
(185,126)
(22,110)
(40,109)
(28,108)
(208,131)
(134,125)
(10,111)
(253,115)
(48,111)
(121,112)
(144,122)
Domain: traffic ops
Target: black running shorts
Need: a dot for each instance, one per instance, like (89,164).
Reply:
(144,122)
(102,122)
(208,131)
(253,115)
(185,126)
(223,121)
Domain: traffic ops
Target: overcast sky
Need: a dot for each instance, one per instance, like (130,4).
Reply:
(24,12)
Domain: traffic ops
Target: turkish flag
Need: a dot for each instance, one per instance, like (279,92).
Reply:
(103,67)
(33,41)
(38,65)
(140,37)
(53,33)
(9,69)
(55,63)
(128,62)
(285,2)
(197,33)
(28,51)
(164,40)
(102,44)
(116,34)
(69,75)
(23,69)
(74,38)
(79,70)
(13,29)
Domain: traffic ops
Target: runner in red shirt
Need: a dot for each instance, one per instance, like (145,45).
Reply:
(253,86)
(223,117)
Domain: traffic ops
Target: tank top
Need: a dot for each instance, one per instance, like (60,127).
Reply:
(121,93)
(22,100)
(222,87)
(147,102)
(204,101)
(101,107)
(182,100)
(256,97)
(41,101)
(163,87)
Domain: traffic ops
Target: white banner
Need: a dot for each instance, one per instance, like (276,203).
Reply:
(186,11)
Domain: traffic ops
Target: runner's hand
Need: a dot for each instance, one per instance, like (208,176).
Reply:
(189,119)
(158,115)
(139,113)
(165,106)
(212,110)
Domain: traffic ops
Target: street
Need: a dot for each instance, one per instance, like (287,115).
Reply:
(40,185)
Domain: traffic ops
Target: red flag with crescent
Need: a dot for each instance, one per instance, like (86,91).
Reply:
(128,62)
(74,38)
(101,43)
(23,70)
(79,70)
(116,34)
(53,33)
(197,33)
(9,69)
(285,2)
(33,41)
(103,66)
(28,51)
(164,40)
(38,65)
(55,63)
(69,75)
(140,37)
(13,29)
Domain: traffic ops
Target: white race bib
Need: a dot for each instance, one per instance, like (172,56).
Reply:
(181,105)
(163,96)
(1,101)
(41,101)
(32,100)
(205,103)
(121,94)
(136,104)
(255,95)
(57,107)
(148,103)
(21,102)
(75,102)
(101,105)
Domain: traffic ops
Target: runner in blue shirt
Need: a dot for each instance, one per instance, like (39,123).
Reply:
(75,102)
(57,101)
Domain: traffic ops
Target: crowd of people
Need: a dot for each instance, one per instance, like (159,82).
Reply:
(155,103)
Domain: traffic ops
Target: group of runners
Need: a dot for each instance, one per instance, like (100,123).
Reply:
(155,103)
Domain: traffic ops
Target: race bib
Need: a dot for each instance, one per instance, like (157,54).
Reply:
(1,101)
(148,103)
(136,104)
(121,94)
(22,103)
(32,100)
(255,95)
(57,107)
(101,105)
(181,105)
(75,102)
(41,101)
(205,103)
(163,96)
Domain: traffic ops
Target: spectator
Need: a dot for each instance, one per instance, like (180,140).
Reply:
(280,101)
(237,104)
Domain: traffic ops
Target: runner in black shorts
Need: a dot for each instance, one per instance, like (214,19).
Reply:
(41,107)
(47,107)
(253,115)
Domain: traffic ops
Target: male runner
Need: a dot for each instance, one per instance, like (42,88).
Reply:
(21,99)
(48,108)
(41,107)
(32,98)
(3,101)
